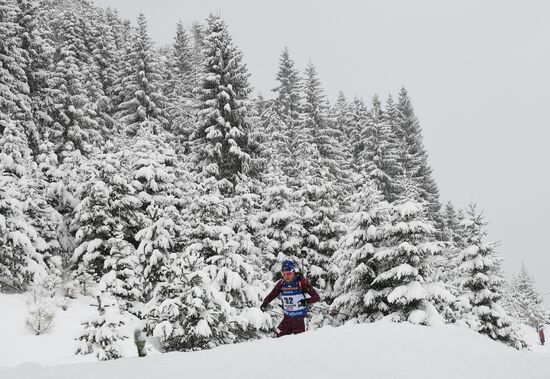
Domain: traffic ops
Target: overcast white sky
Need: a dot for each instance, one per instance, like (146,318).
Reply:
(477,72)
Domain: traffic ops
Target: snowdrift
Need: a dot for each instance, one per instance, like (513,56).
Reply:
(381,350)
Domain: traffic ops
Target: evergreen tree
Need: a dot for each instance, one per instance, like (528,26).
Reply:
(482,283)
(281,232)
(156,242)
(402,288)
(307,166)
(288,95)
(178,311)
(159,226)
(359,118)
(341,116)
(101,335)
(124,42)
(179,87)
(230,282)
(12,75)
(14,89)
(143,103)
(379,155)
(413,159)
(74,126)
(390,121)
(105,54)
(48,224)
(221,139)
(322,230)
(37,55)
(197,34)
(19,260)
(121,279)
(106,218)
(353,262)
(527,299)
(268,139)
(325,135)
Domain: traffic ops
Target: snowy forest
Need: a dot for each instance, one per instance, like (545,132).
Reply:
(153,179)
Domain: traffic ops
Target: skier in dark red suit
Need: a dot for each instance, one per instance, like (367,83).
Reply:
(292,290)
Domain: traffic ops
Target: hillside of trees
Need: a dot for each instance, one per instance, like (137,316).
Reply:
(155,179)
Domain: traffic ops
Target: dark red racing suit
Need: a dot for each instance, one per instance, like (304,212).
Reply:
(293,322)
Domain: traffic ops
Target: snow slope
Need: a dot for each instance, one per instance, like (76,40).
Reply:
(58,346)
(380,350)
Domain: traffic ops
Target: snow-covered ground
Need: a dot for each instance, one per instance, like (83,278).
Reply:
(380,350)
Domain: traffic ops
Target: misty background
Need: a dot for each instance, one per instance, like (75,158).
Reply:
(477,73)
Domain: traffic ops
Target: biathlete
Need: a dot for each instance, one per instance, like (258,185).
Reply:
(292,290)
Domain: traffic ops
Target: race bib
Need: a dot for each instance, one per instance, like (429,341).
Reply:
(291,307)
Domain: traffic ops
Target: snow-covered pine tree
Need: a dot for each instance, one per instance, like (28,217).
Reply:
(527,299)
(36,43)
(482,283)
(143,103)
(102,334)
(179,87)
(121,279)
(270,131)
(180,311)
(391,123)
(281,231)
(445,265)
(509,301)
(105,53)
(19,260)
(197,33)
(223,280)
(156,241)
(73,121)
(221,141)
(325,135)
(106,219)
(48,223)
(154,176)
(402,288)
(413,158)
(14,89)
(64,184)
(260,115)
(94,76)
(124,43)
(245,206)
(453,243)
(378,159)
(353,263)
(320,219)
(37,57)
(100,72)
(341,117)
(288,93)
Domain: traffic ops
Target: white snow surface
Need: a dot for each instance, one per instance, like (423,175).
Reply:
(382,350)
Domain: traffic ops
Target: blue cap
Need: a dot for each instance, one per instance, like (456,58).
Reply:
(287,266)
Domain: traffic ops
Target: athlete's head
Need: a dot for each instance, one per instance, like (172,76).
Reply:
(287,270)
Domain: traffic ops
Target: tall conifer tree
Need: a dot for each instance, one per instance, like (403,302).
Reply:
(143,102)
(221,139)
(413,160)
(483,284)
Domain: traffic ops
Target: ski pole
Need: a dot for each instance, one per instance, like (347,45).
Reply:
(272,311)
(332,312)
